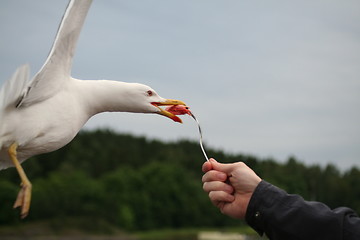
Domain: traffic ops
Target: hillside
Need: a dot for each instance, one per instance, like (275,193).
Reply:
(136,184)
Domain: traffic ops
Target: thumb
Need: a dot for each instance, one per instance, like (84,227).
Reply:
(225,168)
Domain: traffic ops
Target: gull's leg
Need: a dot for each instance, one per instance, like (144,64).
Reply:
(24,197)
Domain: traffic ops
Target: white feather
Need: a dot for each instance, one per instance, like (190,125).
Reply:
(14,88)
(58,64)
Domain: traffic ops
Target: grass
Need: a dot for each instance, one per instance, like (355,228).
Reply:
(77,228)
(188,233)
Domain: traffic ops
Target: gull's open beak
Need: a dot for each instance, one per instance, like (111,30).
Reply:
(168,102)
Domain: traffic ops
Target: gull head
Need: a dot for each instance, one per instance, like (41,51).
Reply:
(144,99)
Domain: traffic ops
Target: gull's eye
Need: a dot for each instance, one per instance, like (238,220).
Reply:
(149,93)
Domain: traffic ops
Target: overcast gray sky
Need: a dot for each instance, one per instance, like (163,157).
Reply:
(268,78)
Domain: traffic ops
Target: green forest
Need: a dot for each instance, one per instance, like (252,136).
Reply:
(136,184)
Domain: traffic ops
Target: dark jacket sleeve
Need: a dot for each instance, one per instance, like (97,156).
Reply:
(283,216)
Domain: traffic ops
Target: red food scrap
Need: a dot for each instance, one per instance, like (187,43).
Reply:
(178,109)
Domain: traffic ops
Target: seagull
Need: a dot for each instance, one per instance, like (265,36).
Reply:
(45,113)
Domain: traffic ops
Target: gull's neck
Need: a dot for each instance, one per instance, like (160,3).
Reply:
(104,95)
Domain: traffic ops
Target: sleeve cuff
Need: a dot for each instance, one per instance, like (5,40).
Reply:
(254,214)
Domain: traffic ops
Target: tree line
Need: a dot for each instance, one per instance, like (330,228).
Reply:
(135,183)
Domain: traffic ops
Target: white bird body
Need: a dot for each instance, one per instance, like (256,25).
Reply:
(49,125)
(42,127)
(46,113)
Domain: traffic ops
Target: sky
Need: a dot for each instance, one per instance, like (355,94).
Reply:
(272,79)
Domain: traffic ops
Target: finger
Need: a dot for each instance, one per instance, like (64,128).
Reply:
(213,175)
(226,168)
(218,186)
(220,196)
(206,166)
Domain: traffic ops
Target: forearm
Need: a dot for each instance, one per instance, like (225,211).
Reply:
(284,216)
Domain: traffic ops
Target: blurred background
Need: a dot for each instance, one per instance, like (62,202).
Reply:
(275,84)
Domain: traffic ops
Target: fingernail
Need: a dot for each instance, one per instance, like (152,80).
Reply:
(213,160)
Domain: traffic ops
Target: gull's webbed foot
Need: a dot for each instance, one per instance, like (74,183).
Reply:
(24,197)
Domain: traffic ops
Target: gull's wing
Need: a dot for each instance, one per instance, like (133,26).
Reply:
(9,94)
(13,88)
(57,67)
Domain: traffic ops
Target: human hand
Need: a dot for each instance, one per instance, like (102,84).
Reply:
(230,186)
